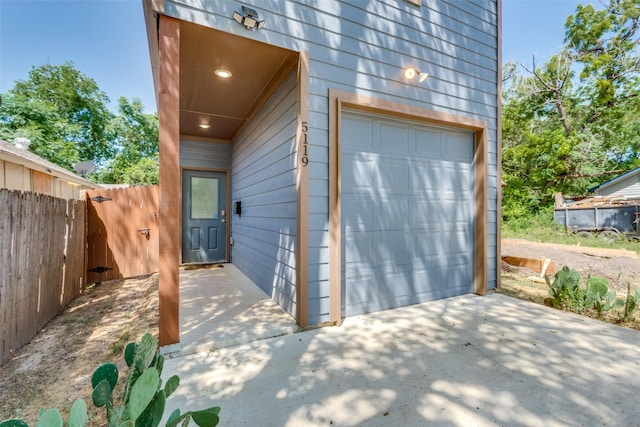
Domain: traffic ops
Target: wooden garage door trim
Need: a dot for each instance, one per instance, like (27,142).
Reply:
(339,100)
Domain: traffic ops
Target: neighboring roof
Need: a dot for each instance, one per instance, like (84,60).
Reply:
(11,153)
(616,180)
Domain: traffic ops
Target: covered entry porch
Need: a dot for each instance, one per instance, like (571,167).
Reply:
(221,307)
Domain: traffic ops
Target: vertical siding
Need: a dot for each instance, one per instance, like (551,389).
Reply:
(263,178)
(17,177)
(363,47)
(205,155)
(42,183)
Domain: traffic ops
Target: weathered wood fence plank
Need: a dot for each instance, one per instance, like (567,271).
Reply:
(42,263)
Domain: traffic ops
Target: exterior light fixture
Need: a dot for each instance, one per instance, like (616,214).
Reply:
(248,18)
(204,125)
(412,72)
(222,73)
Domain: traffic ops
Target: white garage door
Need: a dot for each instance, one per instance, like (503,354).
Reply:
(408,212)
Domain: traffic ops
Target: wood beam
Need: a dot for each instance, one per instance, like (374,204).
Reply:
(302,187)
(169,141)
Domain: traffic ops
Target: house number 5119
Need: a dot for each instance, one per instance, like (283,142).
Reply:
(305,145)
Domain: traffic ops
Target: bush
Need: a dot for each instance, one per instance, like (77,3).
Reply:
(566,292)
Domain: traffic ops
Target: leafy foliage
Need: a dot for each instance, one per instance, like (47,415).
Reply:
(574,121)
(600,297)
(136,141)
(564,290)
(566,293)
(65,116)
(62,112)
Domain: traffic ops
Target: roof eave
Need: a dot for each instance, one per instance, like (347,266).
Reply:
(151,9)
(615,180)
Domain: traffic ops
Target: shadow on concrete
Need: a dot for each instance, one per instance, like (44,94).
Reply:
(461,361)
(221,307)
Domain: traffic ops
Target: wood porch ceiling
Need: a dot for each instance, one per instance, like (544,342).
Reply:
(225,104)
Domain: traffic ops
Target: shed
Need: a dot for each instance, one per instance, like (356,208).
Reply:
(342,154)
(626,185)
(23,170)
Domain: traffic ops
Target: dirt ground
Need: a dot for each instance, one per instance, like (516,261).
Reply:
(618,266)
(55,368)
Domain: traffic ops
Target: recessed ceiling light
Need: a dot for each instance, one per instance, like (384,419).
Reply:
(204,125)
(222,73)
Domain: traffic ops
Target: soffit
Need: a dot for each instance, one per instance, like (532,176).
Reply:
(226,104)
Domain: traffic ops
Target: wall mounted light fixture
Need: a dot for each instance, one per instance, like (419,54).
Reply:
(412,72)
(248,18)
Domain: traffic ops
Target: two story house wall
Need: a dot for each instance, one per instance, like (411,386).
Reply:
(342,154)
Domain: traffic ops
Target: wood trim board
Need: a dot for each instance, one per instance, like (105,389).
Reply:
(338,100)
(302,189)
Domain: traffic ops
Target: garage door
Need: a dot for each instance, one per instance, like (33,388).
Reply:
(408,212)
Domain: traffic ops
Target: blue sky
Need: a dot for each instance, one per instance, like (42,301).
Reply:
(535,27)
(106,39)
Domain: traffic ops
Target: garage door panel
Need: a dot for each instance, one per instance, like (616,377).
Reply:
(457,147)
(393,246)
(428,246)
(427,176)
(410,289)
(459,241)
(428,214)
(393,138)
(428,144)
(394,177)
(359,247)
(415,242)
(358,132)
(362,173)
(357,213)
(392,213)
(363,291)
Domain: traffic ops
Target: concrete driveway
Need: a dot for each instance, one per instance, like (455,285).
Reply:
(464,361)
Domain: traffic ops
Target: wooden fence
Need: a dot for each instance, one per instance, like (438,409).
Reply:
(122,233)
(42,263)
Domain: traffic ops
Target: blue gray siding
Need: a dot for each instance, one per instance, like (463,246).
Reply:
(362,47)
(263,178)
(205,155)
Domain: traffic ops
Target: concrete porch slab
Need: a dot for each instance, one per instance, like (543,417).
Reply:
(221,307)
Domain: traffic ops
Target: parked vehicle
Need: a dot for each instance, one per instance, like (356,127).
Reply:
(605,217)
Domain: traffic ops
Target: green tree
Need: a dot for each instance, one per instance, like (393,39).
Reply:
(574,121)
(62,112)
(136,145)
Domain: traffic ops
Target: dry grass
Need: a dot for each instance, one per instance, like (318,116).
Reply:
(56,367)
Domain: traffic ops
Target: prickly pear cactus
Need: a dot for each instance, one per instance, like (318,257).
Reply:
(143,399)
